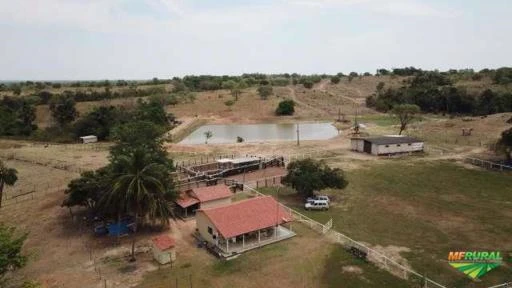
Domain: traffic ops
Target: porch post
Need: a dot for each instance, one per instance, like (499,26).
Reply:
(243,241)
(227,245)
(275,232)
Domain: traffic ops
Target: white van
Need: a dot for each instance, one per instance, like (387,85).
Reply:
(317,205)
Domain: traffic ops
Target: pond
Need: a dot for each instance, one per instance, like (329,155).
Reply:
(223,134)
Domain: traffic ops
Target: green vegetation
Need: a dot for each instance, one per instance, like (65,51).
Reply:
(335,80)
(137,181)
(8,176)
(63,110)
(16,117)
(11,257)
(265,91)
(420,206)
(207,135)
(435,92)
(504,145)
(405,114)
(352,269)
(140,188)
(285,107)
(309,175)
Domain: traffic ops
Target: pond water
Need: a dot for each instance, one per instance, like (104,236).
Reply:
(261,132)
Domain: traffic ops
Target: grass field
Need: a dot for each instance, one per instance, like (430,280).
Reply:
(426,209)
(306,260)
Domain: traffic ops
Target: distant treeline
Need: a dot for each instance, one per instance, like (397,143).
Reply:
(16,87)
(17,115)
(435,92)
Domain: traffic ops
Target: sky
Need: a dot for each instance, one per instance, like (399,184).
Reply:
(142,39)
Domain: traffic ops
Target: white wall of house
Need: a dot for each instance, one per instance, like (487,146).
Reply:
(215,203)
(202,223)
(357,144)
(397,148)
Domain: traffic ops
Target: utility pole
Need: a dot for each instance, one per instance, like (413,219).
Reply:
(298,139)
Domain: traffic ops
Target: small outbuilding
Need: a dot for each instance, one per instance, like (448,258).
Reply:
(203,197)
(387,145)
(164,249)
(89,139)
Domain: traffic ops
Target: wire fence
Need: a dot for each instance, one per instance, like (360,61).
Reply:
(61,165)
(487,164)
(373,256)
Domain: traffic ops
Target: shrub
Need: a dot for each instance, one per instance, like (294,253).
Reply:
(286,107)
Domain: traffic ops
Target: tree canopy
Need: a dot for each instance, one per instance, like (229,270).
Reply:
(309,175)
(63,109)
(505,144)
(286,107)
(265,91)
(11,244)
(405,114)
(8,176)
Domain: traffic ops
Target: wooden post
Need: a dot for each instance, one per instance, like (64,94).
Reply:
(259,237)
(243,241)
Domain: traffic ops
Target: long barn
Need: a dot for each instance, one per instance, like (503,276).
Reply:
(387,145)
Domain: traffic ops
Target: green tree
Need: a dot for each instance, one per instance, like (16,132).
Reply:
(207,135)
(237,90)
(100,121)
(139,190)
(265,91)
(405,114)
(308,84)
(309,175)
(11,257)
(88,189)
(504,145)
(8,176)
(140,135)
(335,80)
(285,107)
(63,109)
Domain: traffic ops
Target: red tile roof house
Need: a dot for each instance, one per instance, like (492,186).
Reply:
(203,197)
(243,225)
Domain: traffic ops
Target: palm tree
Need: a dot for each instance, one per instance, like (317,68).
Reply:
(138,190)
(8,176)
(208,135)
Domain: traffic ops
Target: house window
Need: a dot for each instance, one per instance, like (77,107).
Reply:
(409,144)
(210,230)
(397,145)
(387,146)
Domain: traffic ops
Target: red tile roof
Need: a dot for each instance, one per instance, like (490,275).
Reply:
(209,193)
(186,201)
(164,242)
(247,216)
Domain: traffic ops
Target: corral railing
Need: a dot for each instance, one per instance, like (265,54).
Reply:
(266,182)
(372,255)
(487,164)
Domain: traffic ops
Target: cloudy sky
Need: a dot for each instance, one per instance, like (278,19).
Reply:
(140,39)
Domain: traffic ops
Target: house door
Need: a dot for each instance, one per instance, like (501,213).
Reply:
(367,147)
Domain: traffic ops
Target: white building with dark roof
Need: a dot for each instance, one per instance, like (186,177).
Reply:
(387,145)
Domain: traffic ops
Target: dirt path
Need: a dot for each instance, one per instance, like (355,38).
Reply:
(296,99)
